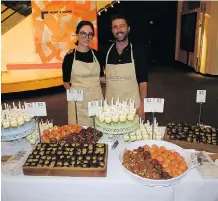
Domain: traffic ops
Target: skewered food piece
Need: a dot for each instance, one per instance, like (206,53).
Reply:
(116,111)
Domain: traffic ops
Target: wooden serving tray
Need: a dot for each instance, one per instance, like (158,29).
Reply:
(67,171)
(5,158)
(192,145)
(213,156)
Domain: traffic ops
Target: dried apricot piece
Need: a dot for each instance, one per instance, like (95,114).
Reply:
(160,158)
(168,170)
(175,163)
(165,165)
(176,154)
(155,147)
(183,166)
(172,157)
(154,155)
(179,171)
(162,149)
(146,147)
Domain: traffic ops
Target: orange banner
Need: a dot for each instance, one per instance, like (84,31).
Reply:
(55,24)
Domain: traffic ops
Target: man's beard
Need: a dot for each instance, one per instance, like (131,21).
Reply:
(125,36)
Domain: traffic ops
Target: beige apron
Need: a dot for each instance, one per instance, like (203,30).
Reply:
(86,77)
(121,81)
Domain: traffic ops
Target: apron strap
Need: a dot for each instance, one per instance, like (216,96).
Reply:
(108,53)
(74,58)
(94,57)
(131,52)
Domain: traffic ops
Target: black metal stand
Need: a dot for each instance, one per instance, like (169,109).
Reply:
(152,135)
(200,112)
(93,118)
(37,122)
(76,112)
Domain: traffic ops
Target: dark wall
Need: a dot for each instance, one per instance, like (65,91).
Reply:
(159,37)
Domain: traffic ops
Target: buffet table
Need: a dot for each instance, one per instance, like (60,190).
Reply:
(117,186)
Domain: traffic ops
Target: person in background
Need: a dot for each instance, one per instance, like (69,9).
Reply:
(81,70)
(125,66)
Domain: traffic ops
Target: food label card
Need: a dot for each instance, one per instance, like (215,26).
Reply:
(40,109)
(93,108)
(208,171)
(74,95)
(201,96)
(36,109)
(30,109)
(206,166)
(79,95)
(154,105)
(14,165)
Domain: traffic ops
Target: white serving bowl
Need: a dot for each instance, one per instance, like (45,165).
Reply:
(151,182)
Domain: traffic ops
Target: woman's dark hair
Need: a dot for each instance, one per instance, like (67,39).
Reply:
(119,16)
(81,24)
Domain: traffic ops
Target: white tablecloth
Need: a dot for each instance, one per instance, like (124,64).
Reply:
(117,186)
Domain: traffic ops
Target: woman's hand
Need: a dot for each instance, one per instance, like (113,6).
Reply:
(67,85)
(140,111)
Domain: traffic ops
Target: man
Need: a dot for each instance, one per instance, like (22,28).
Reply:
(125,64)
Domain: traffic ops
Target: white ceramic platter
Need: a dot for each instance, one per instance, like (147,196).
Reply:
(150,182)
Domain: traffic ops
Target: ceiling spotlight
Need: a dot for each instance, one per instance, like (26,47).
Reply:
(112,5)
(105,9)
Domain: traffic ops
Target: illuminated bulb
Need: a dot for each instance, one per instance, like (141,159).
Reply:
(99,13)
(118,1)
(105,10)
(112,5)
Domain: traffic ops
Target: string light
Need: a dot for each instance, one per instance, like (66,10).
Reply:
(107,6)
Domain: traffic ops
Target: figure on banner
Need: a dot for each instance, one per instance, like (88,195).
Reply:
(128,63)
(81,70)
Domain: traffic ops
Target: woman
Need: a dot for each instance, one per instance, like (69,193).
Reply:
(81,71)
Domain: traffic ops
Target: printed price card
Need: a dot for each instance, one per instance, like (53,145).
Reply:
(74,95)
(154,105)
(159,105)
(93,108)
(71,95)
(36,109)
(30,108)
(79,95)
(201,96)
(148,105)
(40,109)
